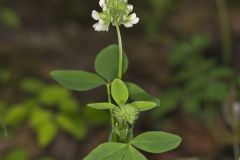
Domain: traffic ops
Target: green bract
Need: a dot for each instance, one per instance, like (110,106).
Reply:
(126,114)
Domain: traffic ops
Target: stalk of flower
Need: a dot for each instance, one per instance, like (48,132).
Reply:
(117,13)
(125,100)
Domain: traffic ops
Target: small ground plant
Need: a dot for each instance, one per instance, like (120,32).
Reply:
(126,100)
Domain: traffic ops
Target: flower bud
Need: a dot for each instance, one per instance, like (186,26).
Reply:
(126,113)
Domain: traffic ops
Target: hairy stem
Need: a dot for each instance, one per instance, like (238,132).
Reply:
(120,59)
(225,31)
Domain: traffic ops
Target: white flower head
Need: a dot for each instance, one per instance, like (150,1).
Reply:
(101,3)
(131,20)
(115,12)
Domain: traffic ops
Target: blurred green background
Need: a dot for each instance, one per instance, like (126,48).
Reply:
(185,52)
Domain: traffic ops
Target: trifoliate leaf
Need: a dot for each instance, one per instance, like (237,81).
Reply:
(107,151)
(77,80)
(144,105)
(156,142)
(133,154)
(102,105)
(106,63)
(136,93)
(119,91)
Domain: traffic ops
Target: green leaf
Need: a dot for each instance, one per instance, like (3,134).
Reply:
(136,93)
(119,91)
(5,75)
(3,106)
(156,142)
(191,105)
(69,105)
(46,133)
(10,17)
(53,95)
(77,80)
(31,85)
(168,103)
(71,125)
(19,154)
(38,117)
(16,115)
(100,117)
(133,154)
(102,105)
(216,91)
(221,72)
(46,158)
(144,105)
(107,151)
(106,63)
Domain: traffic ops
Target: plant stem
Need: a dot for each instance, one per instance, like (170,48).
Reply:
(236,144)
(4,127)
(120,58)
(113,134)
(225,31)
(109,93)
(235,126)
(226,56)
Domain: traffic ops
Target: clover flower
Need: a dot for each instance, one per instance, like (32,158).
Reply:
(115,12)
(126,113)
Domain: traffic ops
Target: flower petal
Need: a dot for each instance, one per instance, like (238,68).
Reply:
(100,27)
(95,15)
(128,25)
(130,8)
(101,3)
(135,21)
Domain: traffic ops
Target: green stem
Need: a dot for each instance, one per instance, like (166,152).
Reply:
(225,31)
(236,144)
(109,93)
(4,127)
(110,101)
(120,59)
(113,134)
(236,147)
